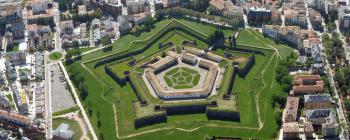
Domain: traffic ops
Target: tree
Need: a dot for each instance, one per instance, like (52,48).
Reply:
(97,14)
(233,40)
(217,39)
(106,40)
(83,91)
(199,5)
(149,22)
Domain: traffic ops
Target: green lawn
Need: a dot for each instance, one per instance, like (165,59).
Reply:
(86,49)
(73,125)
(55,56)
(253,92)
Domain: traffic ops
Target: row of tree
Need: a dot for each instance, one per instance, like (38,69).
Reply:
(282,73)
(179,12)
(72,53)
(79,82)
(334,48)
(342,76)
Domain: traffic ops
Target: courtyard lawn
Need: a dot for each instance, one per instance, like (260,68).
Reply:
(181,78)
(73,125)
(254,94)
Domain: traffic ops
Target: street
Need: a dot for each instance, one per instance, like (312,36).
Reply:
(48,111)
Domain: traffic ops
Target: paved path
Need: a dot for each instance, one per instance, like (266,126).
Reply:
(76,97)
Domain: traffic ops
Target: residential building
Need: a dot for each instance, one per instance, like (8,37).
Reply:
(332,7)
(20,100)
(258,15)
(4,103)
(39,101)
(330,130)
(175,3)
(67,32)
(295,18)
(307,84)
(66,27)
(96,33)
(2,78)
(308,129)
(39,37)
(38,70)
(311,53)
(113,7)
(318,101)
(14,118)
(16,57)
(137,6)
(124,25)
(11,16)
(342,2)
(10,71)
(290,130)
(63,132)
(23,74)
(320,116)
(228,9)
(84,35)
(4,135)
(275,16)
(39,10)
(315,19)
(292,35)
(344,18)
(291,110)
(140,18)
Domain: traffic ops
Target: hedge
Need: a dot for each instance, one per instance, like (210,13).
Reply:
(62,112)
(222,114)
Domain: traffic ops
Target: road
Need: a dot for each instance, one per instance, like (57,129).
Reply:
(48,109)
(309,25)
(153,9)
(57,33)
(76,98)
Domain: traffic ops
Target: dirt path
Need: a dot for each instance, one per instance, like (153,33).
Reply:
(261,124)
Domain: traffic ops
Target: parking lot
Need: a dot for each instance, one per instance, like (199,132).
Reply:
(61,97)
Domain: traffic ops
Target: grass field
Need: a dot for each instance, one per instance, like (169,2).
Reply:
(254,94)
(55,56)
(73,125)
